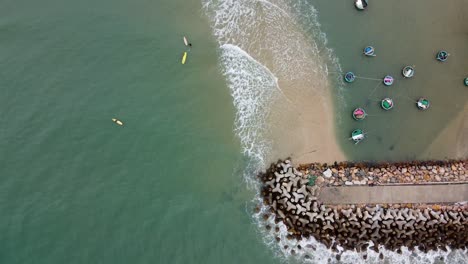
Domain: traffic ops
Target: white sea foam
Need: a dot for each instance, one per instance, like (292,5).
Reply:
(286,35)
(253,87)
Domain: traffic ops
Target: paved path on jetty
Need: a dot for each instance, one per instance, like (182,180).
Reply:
(430,193)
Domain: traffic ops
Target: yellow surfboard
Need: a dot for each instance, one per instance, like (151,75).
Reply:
(184,58)
(118,122)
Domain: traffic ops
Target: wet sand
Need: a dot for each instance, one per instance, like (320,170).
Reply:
(305,131)
(300,116)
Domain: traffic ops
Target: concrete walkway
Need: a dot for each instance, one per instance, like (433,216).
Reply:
(431,193)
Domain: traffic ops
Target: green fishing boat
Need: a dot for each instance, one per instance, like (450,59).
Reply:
(423,103)
(387,104)
(357,136)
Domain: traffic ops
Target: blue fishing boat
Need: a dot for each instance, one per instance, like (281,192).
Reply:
(442,55)
(369,51)
(349,77)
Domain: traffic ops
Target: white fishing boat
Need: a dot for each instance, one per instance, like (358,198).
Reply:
(408,71)
(388,80)
(360,4)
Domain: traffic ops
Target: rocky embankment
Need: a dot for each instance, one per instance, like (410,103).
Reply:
(292,193)
(347,173)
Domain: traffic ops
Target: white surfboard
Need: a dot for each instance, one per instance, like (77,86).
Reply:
(185,41)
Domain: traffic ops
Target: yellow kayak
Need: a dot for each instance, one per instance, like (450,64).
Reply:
(118,122)
(184,57)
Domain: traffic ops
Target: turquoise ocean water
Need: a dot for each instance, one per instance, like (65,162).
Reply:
(76,188)
(171,185)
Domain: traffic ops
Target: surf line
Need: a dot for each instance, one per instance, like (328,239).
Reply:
(244,53)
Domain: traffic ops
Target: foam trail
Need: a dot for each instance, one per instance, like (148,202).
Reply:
(253,87)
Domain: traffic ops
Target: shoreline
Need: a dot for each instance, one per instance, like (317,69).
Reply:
(317,132)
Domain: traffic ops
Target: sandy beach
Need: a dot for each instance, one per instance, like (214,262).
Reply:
(301,121)
(304,127)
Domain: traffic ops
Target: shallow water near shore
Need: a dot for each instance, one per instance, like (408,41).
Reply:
(402,33)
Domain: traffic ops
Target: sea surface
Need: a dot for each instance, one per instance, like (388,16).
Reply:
(176,183)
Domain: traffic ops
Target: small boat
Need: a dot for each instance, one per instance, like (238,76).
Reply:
(388,80)
(357,136)
(423,103)
(349,77)
(360,4)
(184,57)
(118,122)
(369,51)
(442,55)
(408,71)
(466,81)
(359,114)
(387,104)
(185,41)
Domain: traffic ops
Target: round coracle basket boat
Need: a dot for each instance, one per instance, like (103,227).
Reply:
(359,114)
(369,51)
(466,81)
(442,55)
(349,77)
(360,4)
(408,71)
(423,103)
(388,80)
(387,104)
(357,136)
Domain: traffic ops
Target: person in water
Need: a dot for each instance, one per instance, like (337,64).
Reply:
(190,44)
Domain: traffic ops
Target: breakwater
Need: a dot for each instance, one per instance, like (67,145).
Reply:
(293,197)
(416,172)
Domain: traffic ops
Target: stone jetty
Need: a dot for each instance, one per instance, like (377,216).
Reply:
(292,195)
(416,172)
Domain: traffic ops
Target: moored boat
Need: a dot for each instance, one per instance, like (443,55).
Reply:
(357,136)
(359,114)
(369,51)
(423,103)
(442,55)
(408,71)
(387,104)
(388,80)
(349,77)
(360,4)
